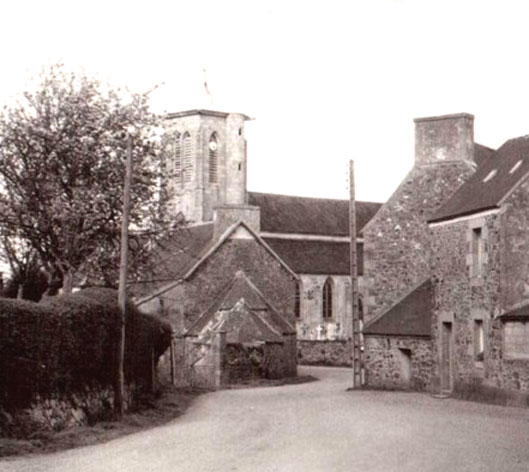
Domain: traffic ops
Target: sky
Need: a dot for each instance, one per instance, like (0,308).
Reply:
(324,81)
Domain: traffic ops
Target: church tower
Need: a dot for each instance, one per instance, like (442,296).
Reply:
(205,162)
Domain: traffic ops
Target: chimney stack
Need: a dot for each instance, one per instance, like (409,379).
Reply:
(444,138)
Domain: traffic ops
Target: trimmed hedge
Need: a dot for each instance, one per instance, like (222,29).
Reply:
(67,342)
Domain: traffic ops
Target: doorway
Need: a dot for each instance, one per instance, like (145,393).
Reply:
(446,357)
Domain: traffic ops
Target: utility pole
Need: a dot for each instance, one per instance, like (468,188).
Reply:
(356,347)
(119,387)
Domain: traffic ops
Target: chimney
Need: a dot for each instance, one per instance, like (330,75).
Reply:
(226,215)
(444,138)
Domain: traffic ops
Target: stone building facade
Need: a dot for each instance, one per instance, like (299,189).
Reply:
(206,163)
(482,299)
(461,226)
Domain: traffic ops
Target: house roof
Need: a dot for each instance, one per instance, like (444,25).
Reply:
(497,174)
(410,316)
(303,215)
(312,256)
(242,311)
(519,312)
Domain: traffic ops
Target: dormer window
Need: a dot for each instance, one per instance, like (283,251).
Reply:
(490,175)
(515,167)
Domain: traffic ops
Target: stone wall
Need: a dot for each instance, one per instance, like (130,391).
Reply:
(393,362)
(325,352)
(397,247)
(311,325)
(253,362)
(185,302)
(62,411)
(464,297)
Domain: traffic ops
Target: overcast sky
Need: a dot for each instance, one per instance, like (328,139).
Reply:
(326,81)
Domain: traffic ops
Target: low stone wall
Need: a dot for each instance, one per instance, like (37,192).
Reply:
(331,353)
(402,363)
(252,362)
(61,412)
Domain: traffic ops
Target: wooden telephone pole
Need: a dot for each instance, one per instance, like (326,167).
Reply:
(356,347)
(119,387)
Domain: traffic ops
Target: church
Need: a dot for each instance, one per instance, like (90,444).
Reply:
(293,251)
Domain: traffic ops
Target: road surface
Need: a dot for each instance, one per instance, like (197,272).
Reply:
(316,426)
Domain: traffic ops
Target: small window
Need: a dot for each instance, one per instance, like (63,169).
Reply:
(479,341)
(516,339)
(297,301)
(327,299)
(477,252)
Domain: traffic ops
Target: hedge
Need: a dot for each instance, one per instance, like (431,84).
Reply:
(67,342)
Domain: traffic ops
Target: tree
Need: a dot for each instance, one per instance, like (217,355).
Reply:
(62,152)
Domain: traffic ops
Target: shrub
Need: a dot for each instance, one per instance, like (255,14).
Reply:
(67,342)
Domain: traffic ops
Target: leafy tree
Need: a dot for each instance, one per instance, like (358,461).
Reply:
(62,151)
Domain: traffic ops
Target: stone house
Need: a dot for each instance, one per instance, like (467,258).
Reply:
(480,266)
(398,250)
(457,318)
(206,180)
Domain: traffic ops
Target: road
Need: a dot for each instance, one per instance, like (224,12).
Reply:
(316,426)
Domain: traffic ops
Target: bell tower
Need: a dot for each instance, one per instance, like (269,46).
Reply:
(205,162)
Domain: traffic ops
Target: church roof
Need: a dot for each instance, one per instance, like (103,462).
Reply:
(519,312)
(410,316)
(314,257)
(303,215)
(242,311)
(497,175)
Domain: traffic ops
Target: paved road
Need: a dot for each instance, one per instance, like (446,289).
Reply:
(313,427)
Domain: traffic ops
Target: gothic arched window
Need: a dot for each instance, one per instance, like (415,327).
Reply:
(327,299)
(297,300)
(213,147)
(188,158)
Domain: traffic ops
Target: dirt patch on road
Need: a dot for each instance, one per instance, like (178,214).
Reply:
(152,411)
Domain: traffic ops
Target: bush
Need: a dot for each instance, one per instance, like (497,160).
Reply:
(67,342)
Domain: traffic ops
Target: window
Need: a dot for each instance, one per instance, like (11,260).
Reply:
(327,299)
(177,157)
(213,159)
(477,251)
(479,340)
(297,300)
(516,339)
(188,158)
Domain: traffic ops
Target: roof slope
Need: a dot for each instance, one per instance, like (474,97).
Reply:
(314,257)
(494,178)
(519,312)
(181,251)
(410,316)
(242,311)
(286,214)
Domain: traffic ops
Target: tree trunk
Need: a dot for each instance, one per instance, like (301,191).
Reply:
(20,291)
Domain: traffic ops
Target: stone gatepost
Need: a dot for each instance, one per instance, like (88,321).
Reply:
(219,352)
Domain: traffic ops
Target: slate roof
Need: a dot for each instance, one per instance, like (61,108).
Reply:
(410,316)
(315,257)
(242,311)
(519,312)
(303,215)
(476,195)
